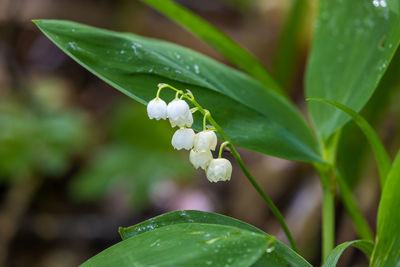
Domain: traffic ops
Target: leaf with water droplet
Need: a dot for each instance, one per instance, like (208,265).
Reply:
(357,33)
(251,116)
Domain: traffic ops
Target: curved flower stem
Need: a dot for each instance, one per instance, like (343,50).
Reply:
(207,116)
(251,179)
(221,148)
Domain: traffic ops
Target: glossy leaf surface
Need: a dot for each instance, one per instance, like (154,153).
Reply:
(387,246)
(251,116)
(279,254)
(353,44)
(189,244)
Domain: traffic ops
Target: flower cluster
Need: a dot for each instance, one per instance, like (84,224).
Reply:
(201,144)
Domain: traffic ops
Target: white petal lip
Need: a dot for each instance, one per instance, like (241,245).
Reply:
(157,109)
(179,113)
(206,140)
(219,170)
(200,159)
(183,139)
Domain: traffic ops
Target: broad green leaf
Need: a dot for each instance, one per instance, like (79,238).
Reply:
(353,44)
(279,254)
(381,155)
(251,116)
(188,244)
(333,258)
(387,244)
(350,203)
(214,37)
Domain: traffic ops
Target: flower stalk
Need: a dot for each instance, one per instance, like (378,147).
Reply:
(208,117)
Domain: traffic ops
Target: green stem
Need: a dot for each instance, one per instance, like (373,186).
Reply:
(221,148)
(328,210)
(237,157)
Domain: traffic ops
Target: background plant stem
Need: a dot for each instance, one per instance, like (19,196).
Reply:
(328,209)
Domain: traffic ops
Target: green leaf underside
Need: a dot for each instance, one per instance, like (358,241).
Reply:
(387,245)
(221,42)
(333,258)
(280,254)
(190,244)
(353,44)
(381,155)
(252,117)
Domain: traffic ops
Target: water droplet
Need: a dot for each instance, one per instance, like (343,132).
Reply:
(211,241)
(122,52)
(269,250)
(72,45)
(73,30)
(178,71)
(196,68)
(134,49)
(209,262)
(383,3)
(375,3)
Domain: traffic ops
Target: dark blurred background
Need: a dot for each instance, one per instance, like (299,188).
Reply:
(78,159)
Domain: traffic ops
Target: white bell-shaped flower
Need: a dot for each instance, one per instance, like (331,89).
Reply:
(179,113)
(183,139)
(203,141)
(219,170)
(200,159)
(157,109)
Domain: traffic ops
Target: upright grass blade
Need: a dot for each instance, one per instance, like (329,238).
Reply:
(217,39)
(360,223)
(287,53)
(365,246)
(387,244)
(381,155)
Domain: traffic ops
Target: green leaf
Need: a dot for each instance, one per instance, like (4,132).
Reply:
(279,254)
(188,244)
(251,116)
(387,246)
(353,44)
(333,258)
(381,155)
(217,39)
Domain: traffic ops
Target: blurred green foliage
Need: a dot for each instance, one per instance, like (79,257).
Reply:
(39,136)
(137,155)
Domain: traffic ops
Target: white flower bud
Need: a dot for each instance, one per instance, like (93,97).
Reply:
(219,170)
(203,141)
(157,109)
(179,113)
(200,159)
(183,139)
